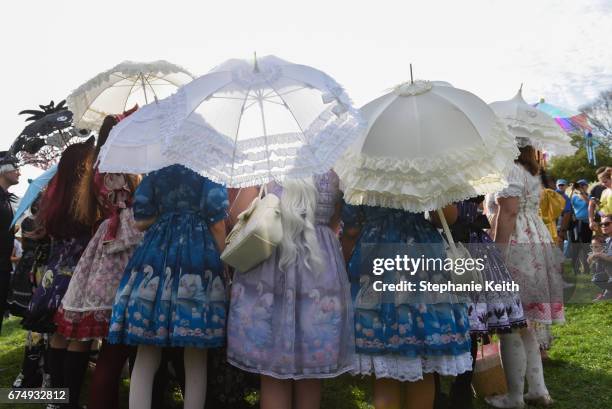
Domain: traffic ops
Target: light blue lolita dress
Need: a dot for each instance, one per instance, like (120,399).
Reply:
(298,323)
(402,335)
(172,292)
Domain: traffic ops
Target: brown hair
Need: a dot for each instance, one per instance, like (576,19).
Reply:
(109,122)
(546,179)
(527,159)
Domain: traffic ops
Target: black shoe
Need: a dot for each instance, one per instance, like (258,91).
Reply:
(460,399)
(441,401)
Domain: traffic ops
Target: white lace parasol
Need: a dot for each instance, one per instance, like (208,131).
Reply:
(121,87)
(427,145)
(242,124)
(532,126)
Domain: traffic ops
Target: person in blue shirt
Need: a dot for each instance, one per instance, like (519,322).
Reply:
(579,199)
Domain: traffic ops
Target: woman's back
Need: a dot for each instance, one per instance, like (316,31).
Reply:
(291,315)
(328,195)
(328,188)
(176,189)
(174,278)
(527,188)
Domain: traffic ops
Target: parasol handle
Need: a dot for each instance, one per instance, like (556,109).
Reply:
(144,88)
(447,232)
(255,65)
(63,139)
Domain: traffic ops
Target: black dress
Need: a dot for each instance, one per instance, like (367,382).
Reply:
(33,257)
(228,386)
(7,240)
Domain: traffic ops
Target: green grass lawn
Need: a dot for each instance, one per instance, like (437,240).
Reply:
(578,374)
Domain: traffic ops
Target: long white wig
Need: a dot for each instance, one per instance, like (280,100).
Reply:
(299,244)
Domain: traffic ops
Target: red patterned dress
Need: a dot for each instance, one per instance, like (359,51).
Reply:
(86,307)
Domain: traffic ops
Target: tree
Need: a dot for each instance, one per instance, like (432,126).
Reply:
(599,112)
(577,166)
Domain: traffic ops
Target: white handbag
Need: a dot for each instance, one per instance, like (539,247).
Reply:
(256,234)
(458,251)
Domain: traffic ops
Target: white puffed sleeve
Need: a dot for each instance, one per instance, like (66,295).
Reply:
(516,183)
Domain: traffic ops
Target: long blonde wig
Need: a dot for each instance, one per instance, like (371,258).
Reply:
(299,244)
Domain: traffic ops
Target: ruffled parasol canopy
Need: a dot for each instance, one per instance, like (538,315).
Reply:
(122,87)
(242,124)
(426,145)
(533,126)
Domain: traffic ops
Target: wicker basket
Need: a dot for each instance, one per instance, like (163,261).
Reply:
(489,378)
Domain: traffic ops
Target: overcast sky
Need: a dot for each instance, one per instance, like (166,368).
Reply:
(560,49)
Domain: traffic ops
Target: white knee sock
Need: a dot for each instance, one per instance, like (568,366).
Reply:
(514,361)
(141,382)
(195,378)
(535,372)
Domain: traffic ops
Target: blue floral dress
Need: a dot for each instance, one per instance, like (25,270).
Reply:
(403,335)
(172,292)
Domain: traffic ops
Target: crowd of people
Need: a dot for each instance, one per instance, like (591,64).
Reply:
(580,227)
(134,261)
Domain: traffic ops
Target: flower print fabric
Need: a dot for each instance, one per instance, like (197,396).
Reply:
(63,258)
(532,258)
(403,335)
(86,307)
(296,324)
(172,292)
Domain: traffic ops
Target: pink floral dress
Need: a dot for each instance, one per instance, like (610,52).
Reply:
(532,258)
(86,307)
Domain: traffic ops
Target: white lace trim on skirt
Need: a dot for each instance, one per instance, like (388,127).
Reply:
(318,373)
(409,369)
